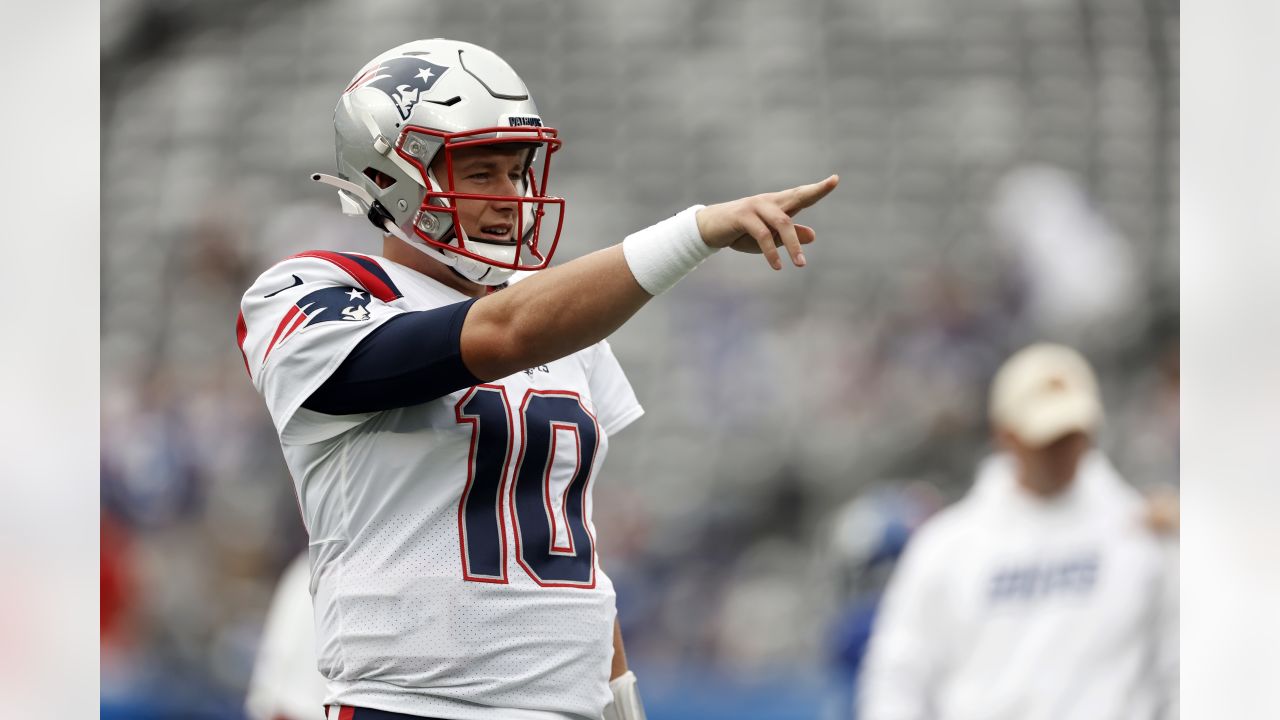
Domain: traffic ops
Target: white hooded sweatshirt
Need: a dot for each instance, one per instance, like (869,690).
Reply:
(1010,607)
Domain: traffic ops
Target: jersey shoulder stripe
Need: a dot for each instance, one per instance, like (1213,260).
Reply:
(242,332)
(311,287)
(294,316)
(364,270)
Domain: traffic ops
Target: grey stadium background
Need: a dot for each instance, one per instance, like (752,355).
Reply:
(1009,173)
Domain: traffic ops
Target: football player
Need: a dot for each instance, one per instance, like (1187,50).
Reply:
(444,436)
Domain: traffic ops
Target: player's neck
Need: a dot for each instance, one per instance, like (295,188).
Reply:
(1041,488)
(397,251)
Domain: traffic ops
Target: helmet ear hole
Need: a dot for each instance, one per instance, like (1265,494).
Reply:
(379,178)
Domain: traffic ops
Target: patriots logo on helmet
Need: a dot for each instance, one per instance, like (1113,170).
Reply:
(404,79)
(347,304)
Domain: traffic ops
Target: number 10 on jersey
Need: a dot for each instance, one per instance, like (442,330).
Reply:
(548,420)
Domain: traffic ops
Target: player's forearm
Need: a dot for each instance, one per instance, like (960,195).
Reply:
(562,310)
(551,314)
(626,704)
(619,665)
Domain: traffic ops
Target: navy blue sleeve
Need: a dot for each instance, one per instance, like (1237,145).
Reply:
(412,358)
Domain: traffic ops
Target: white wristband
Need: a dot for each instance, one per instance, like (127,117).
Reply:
(661,254)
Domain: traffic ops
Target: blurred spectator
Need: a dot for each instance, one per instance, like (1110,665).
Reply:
(119,585)
(150,477)
(1042,593)
(867,536)
(286,684)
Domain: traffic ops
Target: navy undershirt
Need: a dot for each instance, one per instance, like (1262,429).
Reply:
(413,358)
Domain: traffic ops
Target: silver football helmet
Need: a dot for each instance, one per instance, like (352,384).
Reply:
(427,97)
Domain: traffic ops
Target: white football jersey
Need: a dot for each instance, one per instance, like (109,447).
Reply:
(453,558)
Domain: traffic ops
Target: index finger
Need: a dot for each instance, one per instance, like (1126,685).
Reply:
(800,197)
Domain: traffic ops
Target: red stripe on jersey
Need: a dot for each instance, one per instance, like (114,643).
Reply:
(296,323)
(366,279)
(301,316)
(242,331)
(280,330)
(346,713)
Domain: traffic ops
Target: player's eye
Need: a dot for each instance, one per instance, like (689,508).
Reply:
(478,177)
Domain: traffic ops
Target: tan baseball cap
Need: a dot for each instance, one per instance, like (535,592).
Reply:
(1045,391)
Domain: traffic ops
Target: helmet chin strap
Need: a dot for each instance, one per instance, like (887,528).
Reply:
(469,269)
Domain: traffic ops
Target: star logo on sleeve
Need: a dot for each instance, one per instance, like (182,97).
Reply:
(320,306)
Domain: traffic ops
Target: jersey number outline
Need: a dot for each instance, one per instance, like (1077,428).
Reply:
(546,418)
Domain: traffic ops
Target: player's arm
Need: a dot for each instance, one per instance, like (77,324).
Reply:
(410,359)
(619,665)
(419,356)
(1162,512)
(564,309)
(626,703)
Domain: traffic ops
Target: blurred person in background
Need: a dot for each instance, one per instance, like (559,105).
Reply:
(286,684)
(1043,593)
(117,595)
(443,436)
(867,537)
